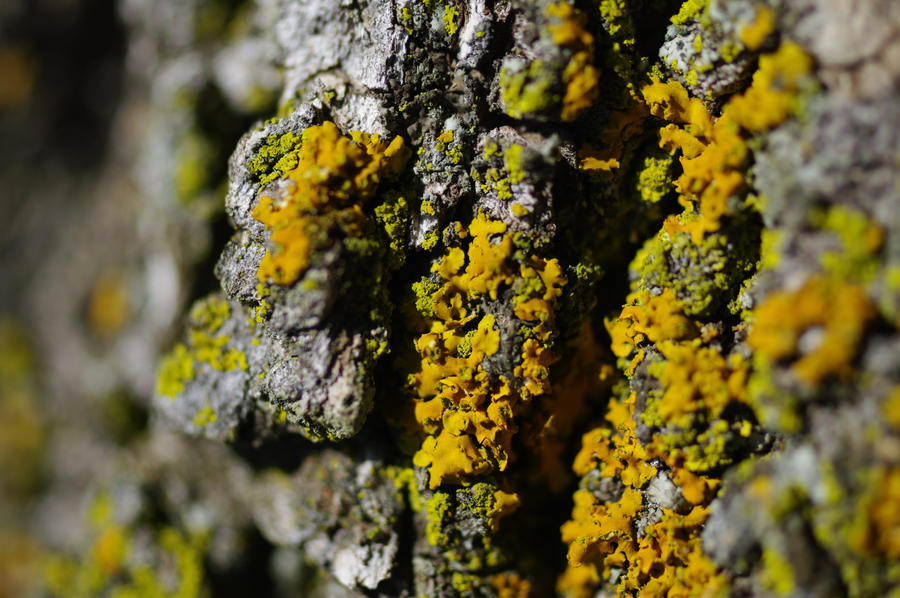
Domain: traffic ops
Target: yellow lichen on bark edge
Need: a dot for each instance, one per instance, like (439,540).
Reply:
(334,172)
(667,560)
(713,151)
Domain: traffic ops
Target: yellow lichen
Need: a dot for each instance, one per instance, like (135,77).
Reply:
(890,409)
(713,151)
(614,450)
(510,585)
(580,77)
(18,74)
(754,35)
(109,306)
(467,416)
(333,177)
(667,560)
(772,96)
(881,510)
(648,318)
(830,316)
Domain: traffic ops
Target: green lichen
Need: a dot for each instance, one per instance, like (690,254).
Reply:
(778,573)
(210,313)
(393,216)
(445,145)
(437,511)
(404,480)
(175,370)
(654,179)
(464,349)
(512,157)
(860,238)
(618,18)
(424,291)
(275,158)
(180,366)
(529,91)
(204,417)
(704,277)
(431,240)
(406,17)
(730,50)
(194,163)
(124,564)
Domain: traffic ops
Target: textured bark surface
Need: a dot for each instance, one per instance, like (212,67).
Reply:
(449,298)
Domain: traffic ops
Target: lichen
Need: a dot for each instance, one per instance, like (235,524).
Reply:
(203,347)
(563,88)
(714,151)
(127,563)
(329,177)
(834,312)
(467,415)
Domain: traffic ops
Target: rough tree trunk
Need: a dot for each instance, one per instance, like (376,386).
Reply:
(512,298)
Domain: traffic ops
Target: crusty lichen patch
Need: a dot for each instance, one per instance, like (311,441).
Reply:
(467,414)
(332,177)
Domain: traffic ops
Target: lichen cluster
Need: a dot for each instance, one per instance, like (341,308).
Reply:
(521,298)
(467,411)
